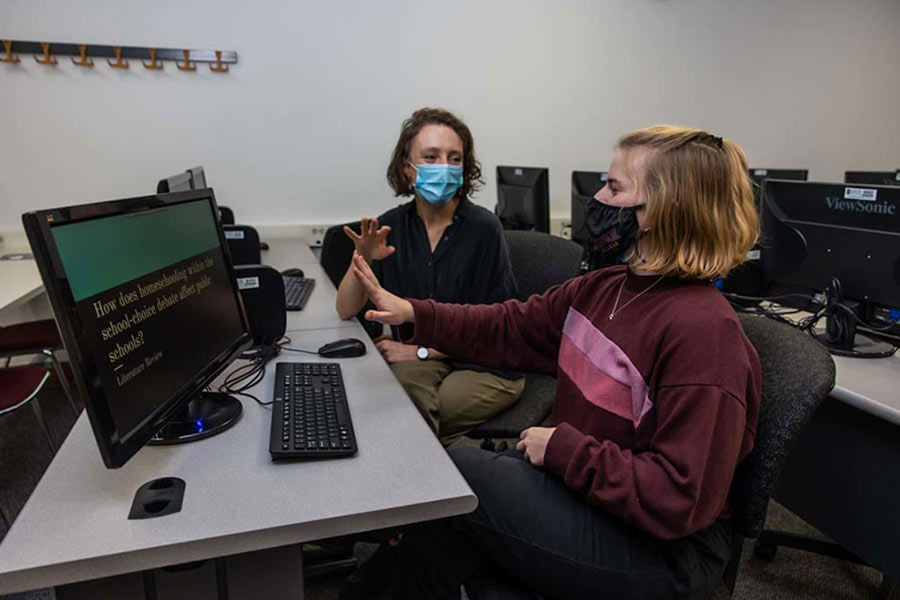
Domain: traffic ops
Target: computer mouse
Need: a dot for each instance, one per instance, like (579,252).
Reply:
(292,272)
(344,348)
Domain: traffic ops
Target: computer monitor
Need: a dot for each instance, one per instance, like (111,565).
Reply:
(145,298)
(585,184)
(192,179)
(873,177)
(838,239)
(523,198)
(758,176)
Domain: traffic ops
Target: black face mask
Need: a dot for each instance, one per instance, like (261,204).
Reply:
(613,230)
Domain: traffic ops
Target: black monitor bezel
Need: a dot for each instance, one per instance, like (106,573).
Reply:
(116,450)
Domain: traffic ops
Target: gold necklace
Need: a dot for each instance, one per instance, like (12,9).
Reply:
(633,298)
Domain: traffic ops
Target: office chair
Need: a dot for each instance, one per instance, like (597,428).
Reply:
(36,337)
(18,387)
(226,215)
(539,261)
(797,375)
(243,244)
(337,250)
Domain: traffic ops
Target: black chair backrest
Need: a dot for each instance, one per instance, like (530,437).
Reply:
(226,215)
(540,260)
(243,244)
(797,375)
(337,250)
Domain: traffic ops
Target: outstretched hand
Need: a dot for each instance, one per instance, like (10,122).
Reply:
(391,309)
(371,242)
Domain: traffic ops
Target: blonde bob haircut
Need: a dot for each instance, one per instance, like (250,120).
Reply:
(700,218)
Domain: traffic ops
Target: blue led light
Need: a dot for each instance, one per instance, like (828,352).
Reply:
(199,425)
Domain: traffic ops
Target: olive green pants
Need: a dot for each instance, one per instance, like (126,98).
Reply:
(455,402)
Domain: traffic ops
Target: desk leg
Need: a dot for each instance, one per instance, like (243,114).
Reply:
(273,573)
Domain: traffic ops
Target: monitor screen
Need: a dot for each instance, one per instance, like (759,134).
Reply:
(145,298)
(814,232)
(873,177)
(585,185)
(523,198)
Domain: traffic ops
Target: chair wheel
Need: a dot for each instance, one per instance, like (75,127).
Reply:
(765,550)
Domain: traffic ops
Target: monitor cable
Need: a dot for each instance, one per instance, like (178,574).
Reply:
(841,319)
(250,374)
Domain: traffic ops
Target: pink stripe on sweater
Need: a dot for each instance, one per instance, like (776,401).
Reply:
(608,361)
(596,386)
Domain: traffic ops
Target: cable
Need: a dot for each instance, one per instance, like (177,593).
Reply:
(248,375)
(285,340)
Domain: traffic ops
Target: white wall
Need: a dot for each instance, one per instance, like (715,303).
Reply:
(301,129)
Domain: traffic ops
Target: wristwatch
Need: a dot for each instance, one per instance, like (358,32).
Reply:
(422,352)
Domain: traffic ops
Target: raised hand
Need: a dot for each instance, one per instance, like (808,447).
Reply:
(392,310)
(372,241)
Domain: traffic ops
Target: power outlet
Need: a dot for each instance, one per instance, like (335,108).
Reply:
(316,235)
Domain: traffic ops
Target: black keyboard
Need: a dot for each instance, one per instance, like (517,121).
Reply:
(310,418)
(297,291)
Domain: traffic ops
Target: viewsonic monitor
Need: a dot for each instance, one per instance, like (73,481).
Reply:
(838,238)
(873,177)
(145,298)
(523,198)
(585,184)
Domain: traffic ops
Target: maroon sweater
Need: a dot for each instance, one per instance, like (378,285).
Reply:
(654,408)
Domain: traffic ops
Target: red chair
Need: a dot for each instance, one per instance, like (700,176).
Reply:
(36,337)
(18,387)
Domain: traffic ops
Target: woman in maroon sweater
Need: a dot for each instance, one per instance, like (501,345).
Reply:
(626,495)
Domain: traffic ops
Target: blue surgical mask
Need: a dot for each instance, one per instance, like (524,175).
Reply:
(437,184)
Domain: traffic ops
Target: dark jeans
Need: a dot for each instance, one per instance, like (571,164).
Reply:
(536,531)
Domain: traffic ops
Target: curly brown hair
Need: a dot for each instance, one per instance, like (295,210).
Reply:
(396,175)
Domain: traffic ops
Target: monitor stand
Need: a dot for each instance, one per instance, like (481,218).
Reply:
(203,416)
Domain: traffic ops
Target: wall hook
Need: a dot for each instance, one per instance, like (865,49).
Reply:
(119,64)
(47,60)
(84,61)
(153,65)
(10,57)
(188,65)
(219,67)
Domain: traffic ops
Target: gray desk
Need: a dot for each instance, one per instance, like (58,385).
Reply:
(871,385)
(74,526)
(843,473)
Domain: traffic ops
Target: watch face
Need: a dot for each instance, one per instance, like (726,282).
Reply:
(422,353)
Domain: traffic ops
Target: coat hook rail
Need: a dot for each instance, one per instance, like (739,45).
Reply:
(47,51)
